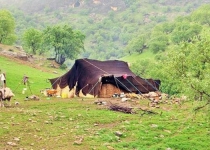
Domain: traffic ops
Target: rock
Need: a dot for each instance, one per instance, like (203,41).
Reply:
(156,101)
(118,133)
(98,102)
(77,142)
(16,139)
(47,122)
(153,104)
(154,126)
(104,103)
(16,103)
(168,131)
(157,106)
(164,96)
(11,144)
(161,136)
(110,148)
(145,95)
(33,97)
(152,94)
(124,99)
(38,130)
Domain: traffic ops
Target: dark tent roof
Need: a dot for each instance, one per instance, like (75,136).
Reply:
(87,75)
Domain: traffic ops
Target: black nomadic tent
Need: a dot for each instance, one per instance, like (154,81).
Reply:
(93,77)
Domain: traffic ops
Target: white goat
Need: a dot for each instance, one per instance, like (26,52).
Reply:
(5,94)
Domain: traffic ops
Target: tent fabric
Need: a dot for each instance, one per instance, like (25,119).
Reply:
(88,75)
(133,84)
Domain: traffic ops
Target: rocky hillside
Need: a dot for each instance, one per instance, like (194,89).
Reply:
(19,56)
(96,6)
(37,6)
(13,52)
(108,24)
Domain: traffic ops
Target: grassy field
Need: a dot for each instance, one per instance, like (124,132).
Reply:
(16,70)
(135,57)
(79,124)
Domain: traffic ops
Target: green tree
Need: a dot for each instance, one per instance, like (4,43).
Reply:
(32,39)
(142,67)
(158,42)
(188,68)
(166,27)
(184,31)
(7,27)
(202,15)
(65,42)
(138,44)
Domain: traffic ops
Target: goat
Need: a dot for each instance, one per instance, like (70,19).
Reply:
(5,94)
(49,92)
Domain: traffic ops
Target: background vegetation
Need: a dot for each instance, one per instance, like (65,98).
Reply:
(108,25)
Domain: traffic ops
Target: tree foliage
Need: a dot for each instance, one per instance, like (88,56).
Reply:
(184,66)
(202,15)
(184,31)
(137,44)
(32,39)
(65,42)
(158,43)
(188,68)
(116,27)
(7,27)
(142,68)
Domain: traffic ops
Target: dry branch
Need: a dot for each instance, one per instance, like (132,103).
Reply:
(115,107)
(200,107)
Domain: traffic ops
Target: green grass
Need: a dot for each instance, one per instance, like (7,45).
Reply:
(135,57)
(55,123)
(15,71)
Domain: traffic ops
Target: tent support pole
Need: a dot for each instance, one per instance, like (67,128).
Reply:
(93,87)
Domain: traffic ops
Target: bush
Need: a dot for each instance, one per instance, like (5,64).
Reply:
(63,66)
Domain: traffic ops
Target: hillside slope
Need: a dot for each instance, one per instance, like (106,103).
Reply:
(17,55)
(108,25)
